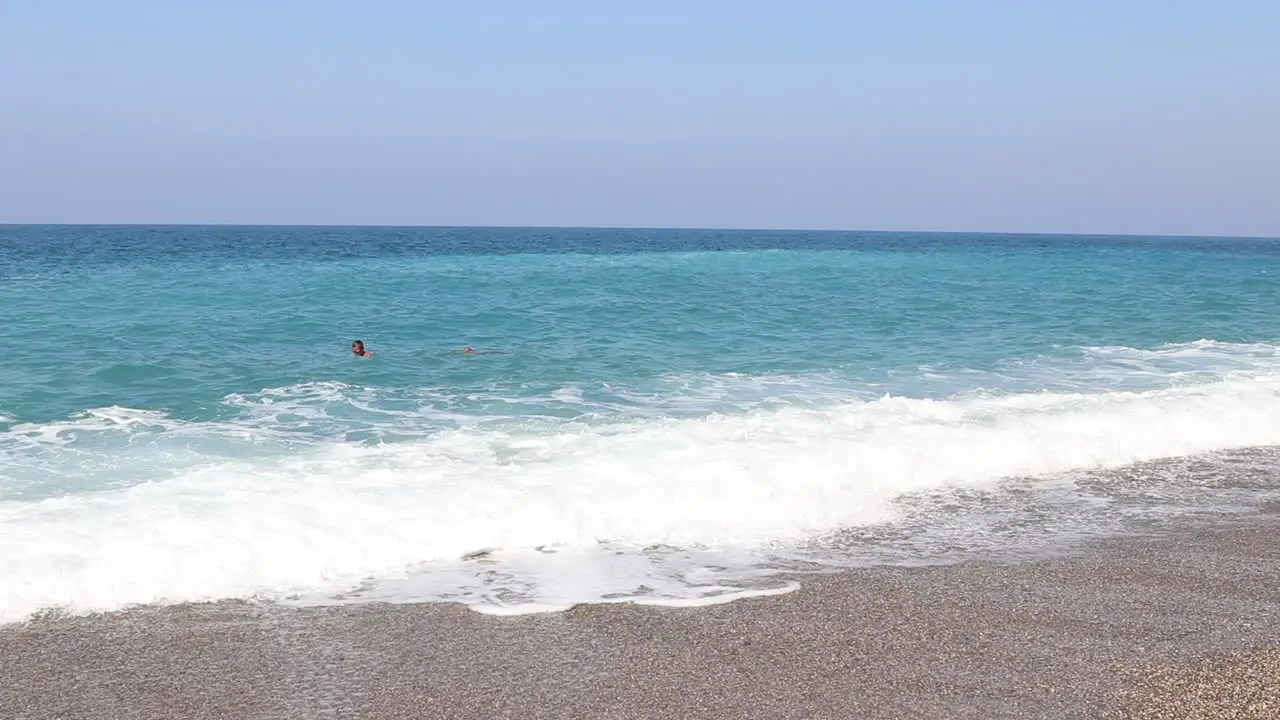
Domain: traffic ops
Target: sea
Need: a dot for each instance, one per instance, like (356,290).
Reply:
(673,417)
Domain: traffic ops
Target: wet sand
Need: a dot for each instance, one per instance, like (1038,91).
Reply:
(1182,624)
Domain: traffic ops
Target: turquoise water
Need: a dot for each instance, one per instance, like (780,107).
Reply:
(186,397)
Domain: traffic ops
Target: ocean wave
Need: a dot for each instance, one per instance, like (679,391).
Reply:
(520,511)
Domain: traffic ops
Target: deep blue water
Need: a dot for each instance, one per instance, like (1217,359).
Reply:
(176,318)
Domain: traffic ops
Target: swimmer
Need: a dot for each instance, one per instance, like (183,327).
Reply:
(468,350)
(357,348)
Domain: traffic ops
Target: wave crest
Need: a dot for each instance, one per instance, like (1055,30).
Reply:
(559,509)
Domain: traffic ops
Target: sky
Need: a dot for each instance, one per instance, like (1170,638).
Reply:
(1095,116)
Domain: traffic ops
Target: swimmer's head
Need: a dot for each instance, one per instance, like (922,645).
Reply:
(357,347)
(468,349)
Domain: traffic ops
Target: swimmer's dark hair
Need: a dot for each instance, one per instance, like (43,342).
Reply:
(358,342)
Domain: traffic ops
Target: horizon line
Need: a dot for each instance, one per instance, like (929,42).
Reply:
(386,226)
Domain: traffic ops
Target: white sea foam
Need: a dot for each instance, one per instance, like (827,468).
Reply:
(540,513)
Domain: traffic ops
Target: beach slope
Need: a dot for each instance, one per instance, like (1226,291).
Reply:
(1180,622)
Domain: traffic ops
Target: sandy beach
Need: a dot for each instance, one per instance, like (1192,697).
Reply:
(1178,623)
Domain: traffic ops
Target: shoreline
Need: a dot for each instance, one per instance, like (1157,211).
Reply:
(1090,634)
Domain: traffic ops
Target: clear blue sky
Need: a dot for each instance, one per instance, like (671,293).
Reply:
(1133,116)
